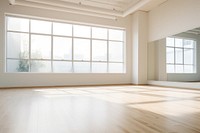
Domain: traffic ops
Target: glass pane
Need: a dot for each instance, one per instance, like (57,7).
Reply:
(170,41)
(40,66)
(40,47)
(18,24)
(62,48)
(179,55)
(170,69)
(178,42)
(62,29)
(189,43)
(81,49)
(17,65)
(17,45)
(116,68)
(99,50)
(38,26)
(81,67)
(116,51)
(62,66)
(188,56)
(99,33)
(188,69)
(116,35)
(82,31)
(170,55)
(99,67)
(179,68)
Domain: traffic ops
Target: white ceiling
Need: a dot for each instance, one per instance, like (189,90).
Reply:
(98,8)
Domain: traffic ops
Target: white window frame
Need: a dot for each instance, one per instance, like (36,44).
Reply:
(73,37)
(183,48)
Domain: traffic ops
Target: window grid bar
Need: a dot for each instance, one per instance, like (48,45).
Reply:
(73,48)
(178,64)
(174,55)
(43,34)
(52,43)
(29,58)
(179,47)
(59,36)
(91,50)
(183,55)
(108,51)
(18,31)
(6,48)
(67,60)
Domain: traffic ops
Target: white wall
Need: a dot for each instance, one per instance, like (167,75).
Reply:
(173,17)
(161,60)
(50,79)
(157,60)
(151,65)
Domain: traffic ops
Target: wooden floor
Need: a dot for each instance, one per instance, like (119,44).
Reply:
(106,109)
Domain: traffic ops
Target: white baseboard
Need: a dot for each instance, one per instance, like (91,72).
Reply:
(188,85)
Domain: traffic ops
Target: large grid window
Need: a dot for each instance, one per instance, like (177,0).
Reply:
(46,46)
(180,55)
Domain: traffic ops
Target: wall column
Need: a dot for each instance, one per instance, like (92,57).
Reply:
(139,47)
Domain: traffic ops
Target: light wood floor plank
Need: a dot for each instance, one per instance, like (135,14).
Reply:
(101,109)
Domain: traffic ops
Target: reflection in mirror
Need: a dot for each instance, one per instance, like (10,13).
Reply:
(175,58)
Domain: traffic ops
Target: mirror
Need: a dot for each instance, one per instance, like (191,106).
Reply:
(175,58)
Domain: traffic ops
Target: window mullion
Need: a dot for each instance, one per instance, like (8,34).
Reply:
(91,49)
(183,57)
(52,70)
(72,48)
(107,51)
(29,45)
(6,38)
(174,56)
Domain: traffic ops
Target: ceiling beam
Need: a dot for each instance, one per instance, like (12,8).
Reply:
(80,8)
(196,30)
(136,7)
(192,32)
(77,6)
(11,2)
(62,9)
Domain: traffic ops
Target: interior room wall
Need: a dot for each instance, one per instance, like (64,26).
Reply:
(173,17)
(62,79)
(161,60)
(157,60)
(152,54)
